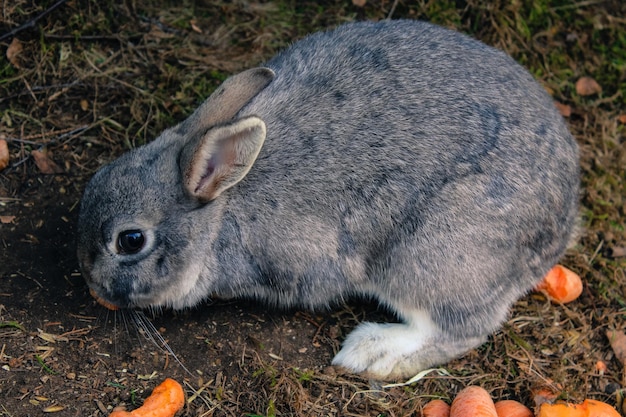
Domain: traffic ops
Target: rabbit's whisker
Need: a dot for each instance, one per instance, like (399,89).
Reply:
(151,333)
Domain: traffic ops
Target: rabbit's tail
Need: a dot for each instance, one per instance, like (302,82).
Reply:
(576,232)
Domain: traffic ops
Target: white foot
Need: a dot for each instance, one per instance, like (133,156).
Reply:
(387,351)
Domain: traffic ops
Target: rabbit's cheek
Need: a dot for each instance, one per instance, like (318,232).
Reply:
(177,291)
(187,291)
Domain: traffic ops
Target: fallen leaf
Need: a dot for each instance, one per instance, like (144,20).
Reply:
(622,119)
(620,400)
(618,344)
(194,26)
(6,219)
(564,109)
(587,86)
(359,3)
(44,163)
(53,409)
(4,154)
(618,252)
(147,377)
(13,52)
(49,337)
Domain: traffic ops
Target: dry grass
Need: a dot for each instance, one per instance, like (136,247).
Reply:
(96,78)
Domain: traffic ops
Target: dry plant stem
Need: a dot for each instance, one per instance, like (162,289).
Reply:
(71,134)
(31,23)
(63,133)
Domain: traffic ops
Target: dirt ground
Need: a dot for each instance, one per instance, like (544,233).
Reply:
(82,81)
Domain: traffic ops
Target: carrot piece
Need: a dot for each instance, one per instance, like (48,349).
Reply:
(599,409)
(101,301)
(562,285)
(473,401)
(166,400)
(436,408)
(588,408)
(561,410)
(512,408)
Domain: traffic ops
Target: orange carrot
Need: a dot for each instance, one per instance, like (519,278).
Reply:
(436,408)
(4,154)
(561,410)
(588,408)
(101,301)
(601,367)
(165,401)
(511,408)
(599,409)
(561,285)
(473,401)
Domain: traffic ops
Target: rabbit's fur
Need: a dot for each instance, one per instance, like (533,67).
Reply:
(395,160)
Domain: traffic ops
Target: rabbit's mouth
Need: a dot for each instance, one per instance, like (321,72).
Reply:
(102,301)
(112,300)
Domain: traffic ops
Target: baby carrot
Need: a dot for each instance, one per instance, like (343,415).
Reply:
(473,401)
(512,408)
(436,408)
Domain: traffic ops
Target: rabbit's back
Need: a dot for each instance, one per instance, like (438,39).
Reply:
(397,140)
(408,103)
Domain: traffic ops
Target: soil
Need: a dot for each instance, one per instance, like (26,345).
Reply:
(69,351)
(63,354)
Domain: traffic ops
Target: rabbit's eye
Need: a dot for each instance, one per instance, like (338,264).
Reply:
(130,241)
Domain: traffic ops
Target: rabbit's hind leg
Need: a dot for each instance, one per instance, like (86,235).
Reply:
(384,351)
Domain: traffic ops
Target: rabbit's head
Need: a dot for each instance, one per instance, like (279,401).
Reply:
(138,242)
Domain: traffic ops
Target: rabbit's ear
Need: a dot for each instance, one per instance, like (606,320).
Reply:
(222,157)
(226,101)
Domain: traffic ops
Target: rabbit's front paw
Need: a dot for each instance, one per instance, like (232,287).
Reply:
(388,351)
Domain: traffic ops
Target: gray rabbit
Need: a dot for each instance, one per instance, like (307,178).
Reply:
(395,160)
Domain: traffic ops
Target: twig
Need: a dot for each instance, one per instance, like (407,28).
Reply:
(393,9)
(37,89)
(163,27)
(92,38)
(31,23)
(62,134)
(578,5)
